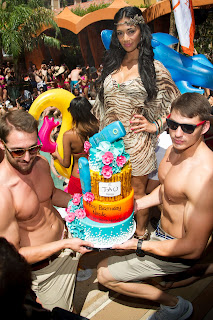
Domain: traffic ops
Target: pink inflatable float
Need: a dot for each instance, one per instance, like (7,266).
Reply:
(44,134)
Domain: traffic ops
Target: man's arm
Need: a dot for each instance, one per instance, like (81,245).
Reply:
(9,228)
(60,198)
(41,252)
(197,223)
(150,200)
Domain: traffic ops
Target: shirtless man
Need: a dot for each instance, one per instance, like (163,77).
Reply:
(186,177)
(28,217)
(74,77)
(38,78)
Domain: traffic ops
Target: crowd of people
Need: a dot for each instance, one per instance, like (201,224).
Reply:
(20,92)
(138,91)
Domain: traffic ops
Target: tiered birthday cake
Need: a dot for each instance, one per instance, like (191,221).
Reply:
(103,215)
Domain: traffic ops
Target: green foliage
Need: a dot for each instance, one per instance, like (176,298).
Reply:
(204,40)
(93,7)
(20,23)
(144,5)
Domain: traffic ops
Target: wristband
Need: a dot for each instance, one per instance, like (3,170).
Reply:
(156,127)
(161,122)
(139,251)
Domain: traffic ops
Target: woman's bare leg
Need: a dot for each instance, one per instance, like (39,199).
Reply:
(4,95)
(139,185)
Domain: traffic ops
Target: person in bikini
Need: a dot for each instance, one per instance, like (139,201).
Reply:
(84,83)
(29,219)
(186,223)
(85,125)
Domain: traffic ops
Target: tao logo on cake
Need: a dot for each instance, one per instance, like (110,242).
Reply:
(109,189)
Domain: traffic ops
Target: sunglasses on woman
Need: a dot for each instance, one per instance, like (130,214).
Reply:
(18,153)
(186,128)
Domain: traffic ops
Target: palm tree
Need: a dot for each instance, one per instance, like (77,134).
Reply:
(21,23)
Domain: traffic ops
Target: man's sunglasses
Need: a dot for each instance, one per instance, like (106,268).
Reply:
(187,128)
(18,153)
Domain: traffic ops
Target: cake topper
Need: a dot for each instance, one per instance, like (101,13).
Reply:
(111,133)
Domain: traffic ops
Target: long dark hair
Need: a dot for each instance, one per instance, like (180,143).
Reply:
(84,121)
(114,56)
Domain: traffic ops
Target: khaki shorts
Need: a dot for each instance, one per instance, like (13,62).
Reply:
(133,268)
(54,284)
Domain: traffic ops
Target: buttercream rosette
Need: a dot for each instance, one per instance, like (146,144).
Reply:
(76,212)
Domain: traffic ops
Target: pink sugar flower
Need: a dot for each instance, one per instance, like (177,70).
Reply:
(70,217)
(106,172)
(87,146)
(107,158)
(88,197)
(68,210)
(80,213)
(77,170)
(76,199)
(121,160)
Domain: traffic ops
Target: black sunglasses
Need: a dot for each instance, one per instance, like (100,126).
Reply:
(186,128)
(18,153)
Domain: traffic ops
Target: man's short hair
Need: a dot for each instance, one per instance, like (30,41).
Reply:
(192,104)
(19,120)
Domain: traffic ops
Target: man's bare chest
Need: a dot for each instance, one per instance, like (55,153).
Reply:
(174,184)
(29,195)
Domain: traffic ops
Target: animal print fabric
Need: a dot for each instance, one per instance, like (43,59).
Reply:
(123,101)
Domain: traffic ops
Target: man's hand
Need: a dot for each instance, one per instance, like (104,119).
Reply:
(79,245)
(138,205)
(128,245)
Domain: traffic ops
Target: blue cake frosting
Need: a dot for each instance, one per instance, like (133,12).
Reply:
(101,235)
(117,148)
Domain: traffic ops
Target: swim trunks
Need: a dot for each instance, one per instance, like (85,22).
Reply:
(72,83)
(133,268)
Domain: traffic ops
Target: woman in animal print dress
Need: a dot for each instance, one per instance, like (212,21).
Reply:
(136,90)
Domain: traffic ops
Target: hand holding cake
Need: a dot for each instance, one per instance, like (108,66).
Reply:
(78,245)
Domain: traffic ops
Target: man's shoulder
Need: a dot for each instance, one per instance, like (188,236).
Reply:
(4,174)
(168,154)
(200,173)
(203,158)
(41,162)
(5,196)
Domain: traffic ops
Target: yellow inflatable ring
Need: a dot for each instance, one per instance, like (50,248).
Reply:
(60,99)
